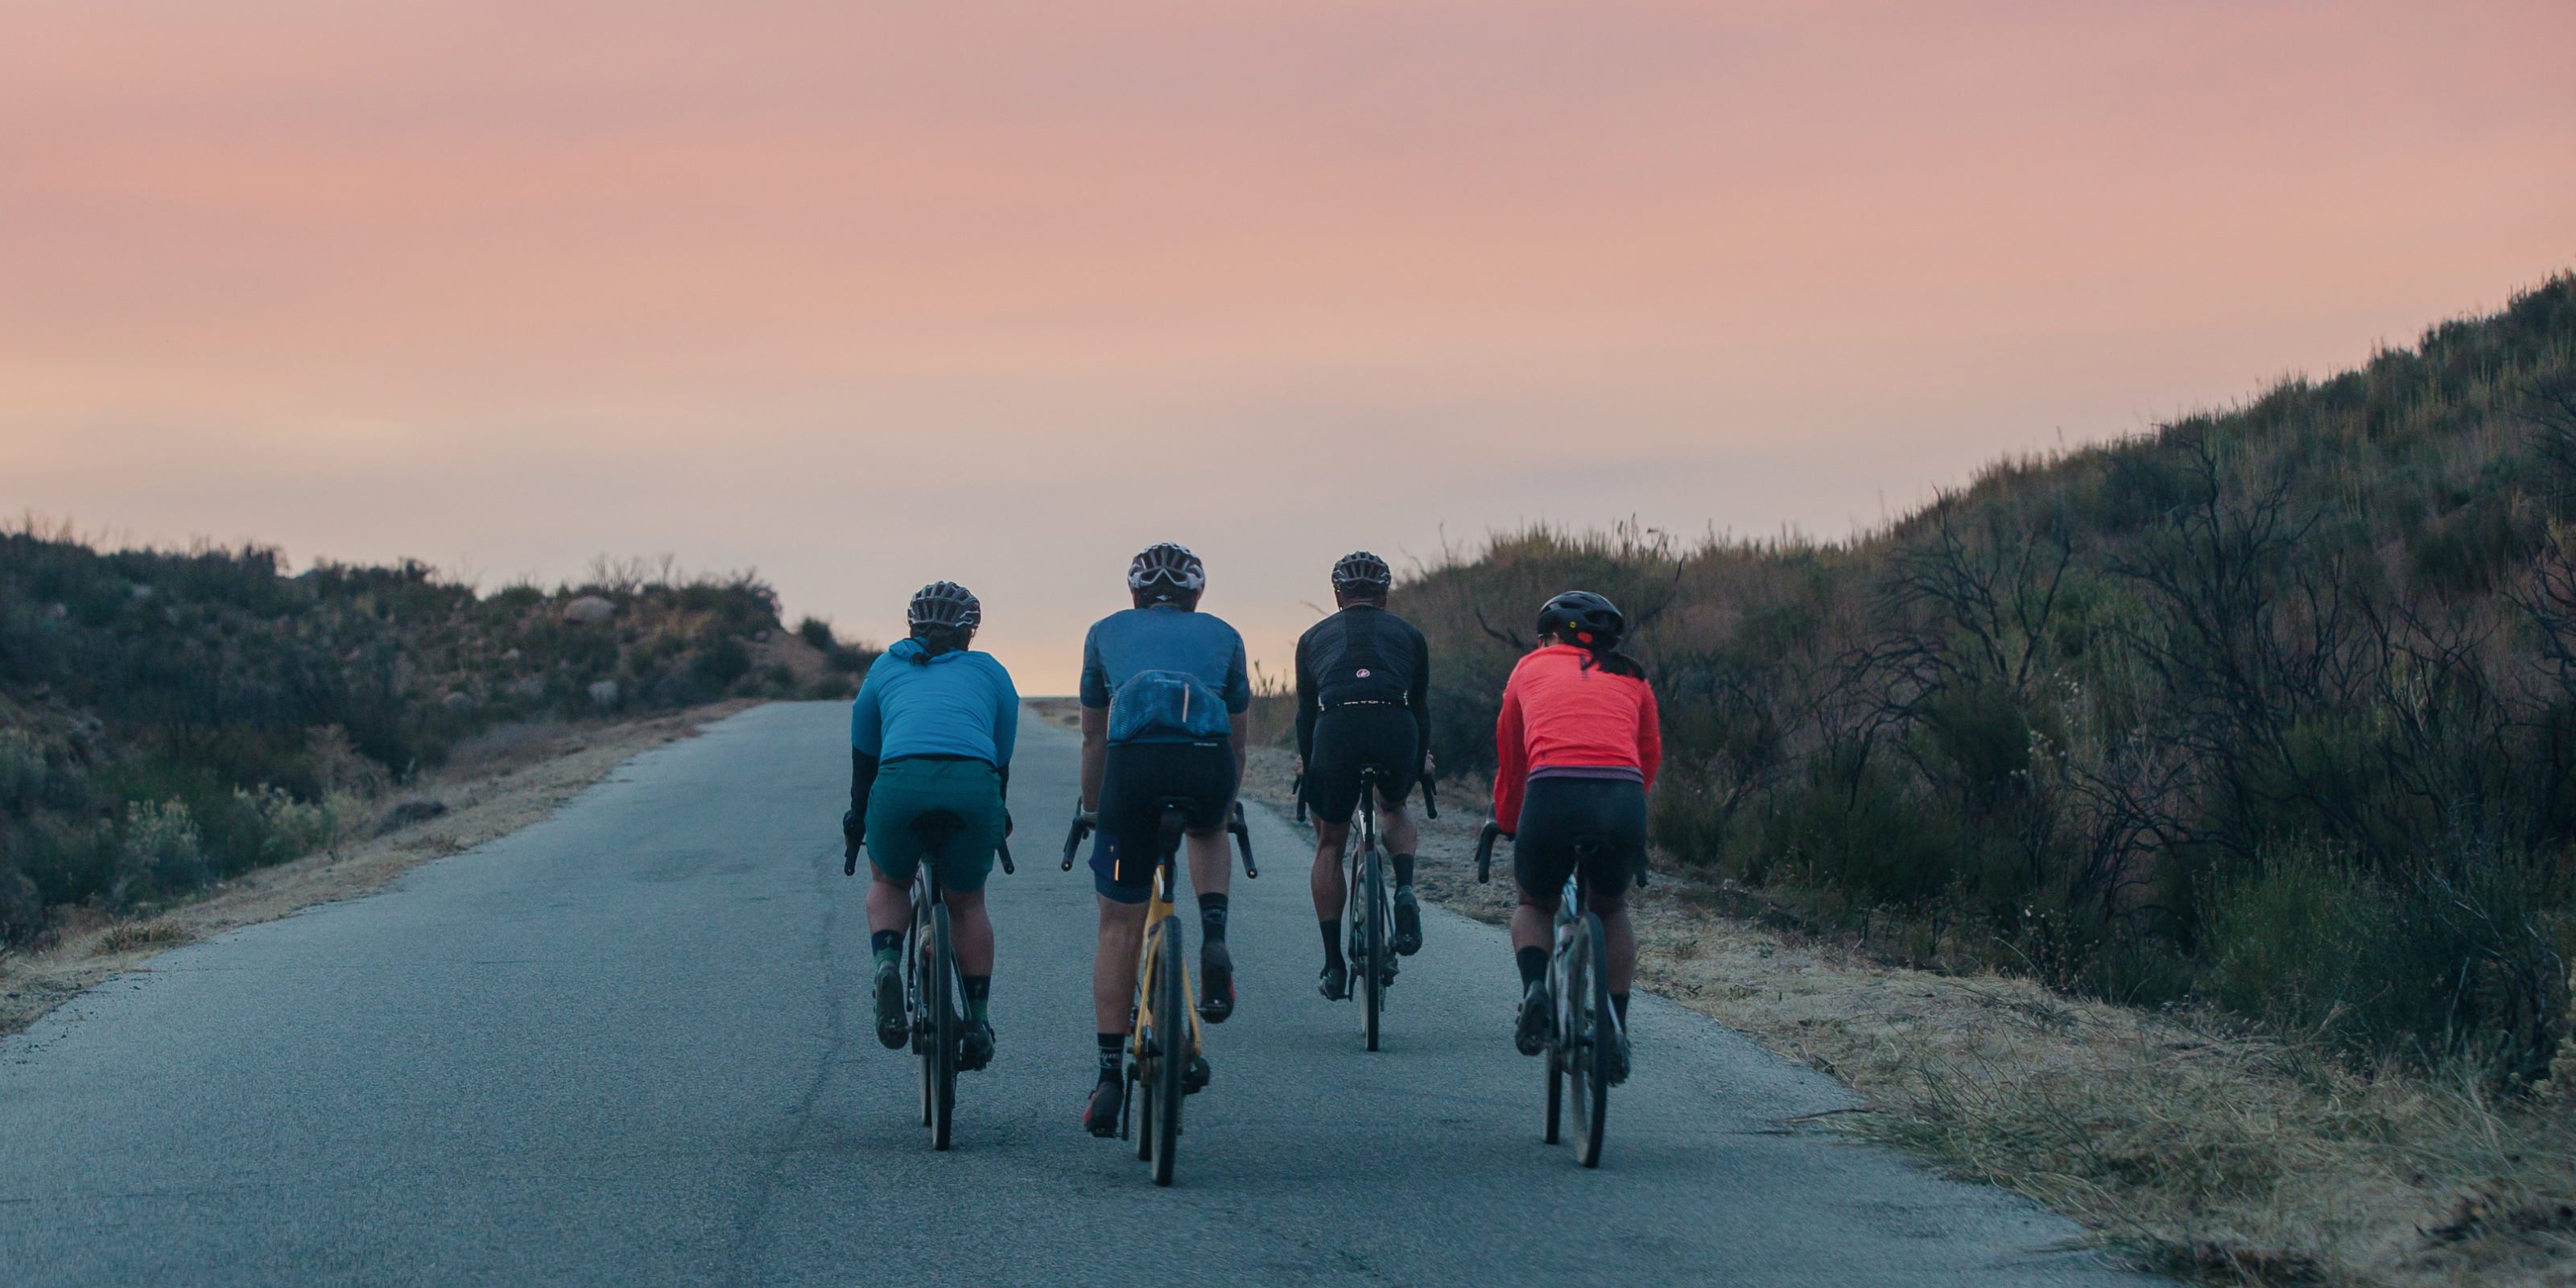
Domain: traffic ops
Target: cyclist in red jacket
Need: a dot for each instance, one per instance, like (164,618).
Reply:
(1577,745)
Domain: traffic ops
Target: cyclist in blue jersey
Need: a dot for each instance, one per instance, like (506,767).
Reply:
(932,729)
(1166,698)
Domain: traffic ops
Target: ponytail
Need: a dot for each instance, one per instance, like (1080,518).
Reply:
(1613,661)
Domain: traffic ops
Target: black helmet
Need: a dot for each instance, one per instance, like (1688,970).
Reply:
(945,603)
(1362,571)
(1167,571)
(1582,618)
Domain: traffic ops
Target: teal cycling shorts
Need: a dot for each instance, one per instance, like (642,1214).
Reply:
(906,788)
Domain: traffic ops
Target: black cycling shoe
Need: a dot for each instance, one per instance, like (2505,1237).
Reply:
(976,1049)
(1216,982)
(1408,922)
(1386,978)
(1100,1116)
(1617,1073)
(1336,982)
(1531,1034)
(894,1028)
(1194,1079)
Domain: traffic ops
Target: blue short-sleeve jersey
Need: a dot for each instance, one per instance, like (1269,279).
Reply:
(956,704)
(1164,638)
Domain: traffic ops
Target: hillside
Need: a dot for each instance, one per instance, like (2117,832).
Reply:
(2272,709)
(168,719)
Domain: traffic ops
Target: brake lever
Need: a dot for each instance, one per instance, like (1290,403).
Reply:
(1243,840)
(1485,851)
(1430,799)
(1003,848)
(1073,838)
(1297,789)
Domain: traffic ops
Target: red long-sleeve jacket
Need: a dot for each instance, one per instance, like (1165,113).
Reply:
(1558,712)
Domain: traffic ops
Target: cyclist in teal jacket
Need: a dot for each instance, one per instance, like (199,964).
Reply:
(932,729)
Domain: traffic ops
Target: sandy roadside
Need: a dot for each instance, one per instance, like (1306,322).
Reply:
(508,787)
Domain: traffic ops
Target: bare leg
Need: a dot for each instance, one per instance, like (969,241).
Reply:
(889,905)
(1531,927)
(1113,965)
(1327,881)
(1396,827)
(970,931)
(1211,867)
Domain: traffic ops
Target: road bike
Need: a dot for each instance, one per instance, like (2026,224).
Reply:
(933,989)
(1371,905)
(1586,1047)
(1165,1064)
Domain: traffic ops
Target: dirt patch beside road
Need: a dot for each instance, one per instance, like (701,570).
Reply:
(496,786)
(2199,1147)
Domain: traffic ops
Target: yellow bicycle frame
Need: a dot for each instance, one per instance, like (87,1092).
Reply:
(1158,909)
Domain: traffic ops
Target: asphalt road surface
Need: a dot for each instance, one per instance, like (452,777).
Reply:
(631,1045)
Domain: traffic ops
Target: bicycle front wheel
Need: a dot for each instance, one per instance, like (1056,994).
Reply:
(1588,1035)
(1373,957)
(944,1028)
(1173,1014)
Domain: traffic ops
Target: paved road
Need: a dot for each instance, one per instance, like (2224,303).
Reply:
(630,1046)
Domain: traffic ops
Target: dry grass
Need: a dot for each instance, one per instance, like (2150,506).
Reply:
(2203,1150)
(499,783)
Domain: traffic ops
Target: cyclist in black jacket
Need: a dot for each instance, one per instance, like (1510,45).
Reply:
(1363,697)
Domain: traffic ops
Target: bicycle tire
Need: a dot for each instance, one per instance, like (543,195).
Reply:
(1175,986)
(916,947)
(1373,960)
(1146,1035)
(1555,1090)
(1590,1037)
(944,1021)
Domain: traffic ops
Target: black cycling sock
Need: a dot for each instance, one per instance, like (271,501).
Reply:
(887,945)
(1619,1003)
(1403,869)
(1113,1049)
(979,995)
(1332,928)
(1212,917)
(1533,962)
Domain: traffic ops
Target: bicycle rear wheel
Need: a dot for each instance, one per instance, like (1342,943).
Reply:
(916,959)
(944,1028)
(1588,1007)
(1373,943)
(1555,1089)
(1173,1009)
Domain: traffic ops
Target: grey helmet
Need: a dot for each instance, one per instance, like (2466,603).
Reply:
(1362,571)
(1167,571)
(944,603)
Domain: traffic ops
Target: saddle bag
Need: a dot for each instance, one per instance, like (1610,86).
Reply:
(1166,704)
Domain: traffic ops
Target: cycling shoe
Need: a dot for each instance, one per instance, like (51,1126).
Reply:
(1335,983)
(1531,1034)
(976,1050)
(894,1027)
(1194,1079)
(1216,982)
(1408,923)
(1100,1116)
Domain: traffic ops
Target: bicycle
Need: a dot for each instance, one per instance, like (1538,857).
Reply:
(932,984)
(1585,1040)
(1371,907)
(1164,1060)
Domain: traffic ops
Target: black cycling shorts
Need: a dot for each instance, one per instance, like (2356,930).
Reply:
(1349,737)
(1136,779)
(1555,811)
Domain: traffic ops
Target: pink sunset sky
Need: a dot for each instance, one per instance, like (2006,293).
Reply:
(868,294)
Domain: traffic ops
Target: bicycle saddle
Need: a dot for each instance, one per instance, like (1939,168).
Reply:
(937,823)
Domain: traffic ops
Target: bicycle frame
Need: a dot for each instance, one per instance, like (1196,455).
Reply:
(1159,908)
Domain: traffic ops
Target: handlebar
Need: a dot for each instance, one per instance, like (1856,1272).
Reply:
(1485,851)
(1297,788)
(1430,799)
(1082,825)
(1003,848)
(1242,839)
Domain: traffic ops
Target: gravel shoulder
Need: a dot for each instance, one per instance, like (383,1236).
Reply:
(498,787)
(2196,1147)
